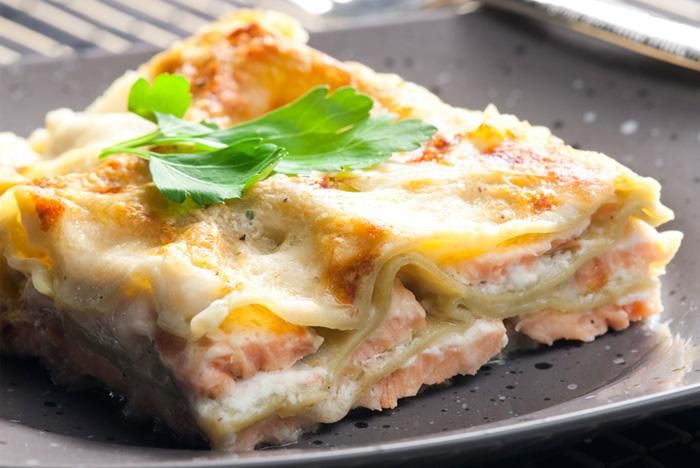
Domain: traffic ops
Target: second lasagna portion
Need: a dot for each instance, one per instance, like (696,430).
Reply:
(250,321)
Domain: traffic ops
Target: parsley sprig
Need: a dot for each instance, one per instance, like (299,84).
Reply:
(320,131)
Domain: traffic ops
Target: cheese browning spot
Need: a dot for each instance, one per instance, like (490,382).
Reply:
(114,175)
(436,149)
(541,202)
(349,248)
(48,210)
(547,167)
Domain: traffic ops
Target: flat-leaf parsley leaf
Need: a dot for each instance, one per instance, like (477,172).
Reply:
(214,176)
(169,94)
(321,131)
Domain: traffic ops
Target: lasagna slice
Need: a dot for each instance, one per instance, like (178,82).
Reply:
(254,320)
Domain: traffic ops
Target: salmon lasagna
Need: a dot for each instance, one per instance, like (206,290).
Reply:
(303,294)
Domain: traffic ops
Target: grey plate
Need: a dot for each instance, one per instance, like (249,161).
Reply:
(642,112)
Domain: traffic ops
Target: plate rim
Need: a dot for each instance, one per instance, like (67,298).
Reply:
(481,443)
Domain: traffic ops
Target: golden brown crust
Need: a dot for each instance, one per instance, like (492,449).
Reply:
(48,211)
(348,251)
(241,70)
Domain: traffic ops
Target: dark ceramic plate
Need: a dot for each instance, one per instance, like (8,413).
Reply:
(643,112)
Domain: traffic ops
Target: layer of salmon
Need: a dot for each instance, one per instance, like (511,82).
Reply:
(641,252)
(550,325)
(252,339)
(455,354)
(460,354)
(637,254)
(405,317)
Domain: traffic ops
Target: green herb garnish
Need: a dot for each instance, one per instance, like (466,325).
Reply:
(169,94)
(318,132)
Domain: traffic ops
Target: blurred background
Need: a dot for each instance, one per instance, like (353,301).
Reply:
(55,28)
(666,29)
